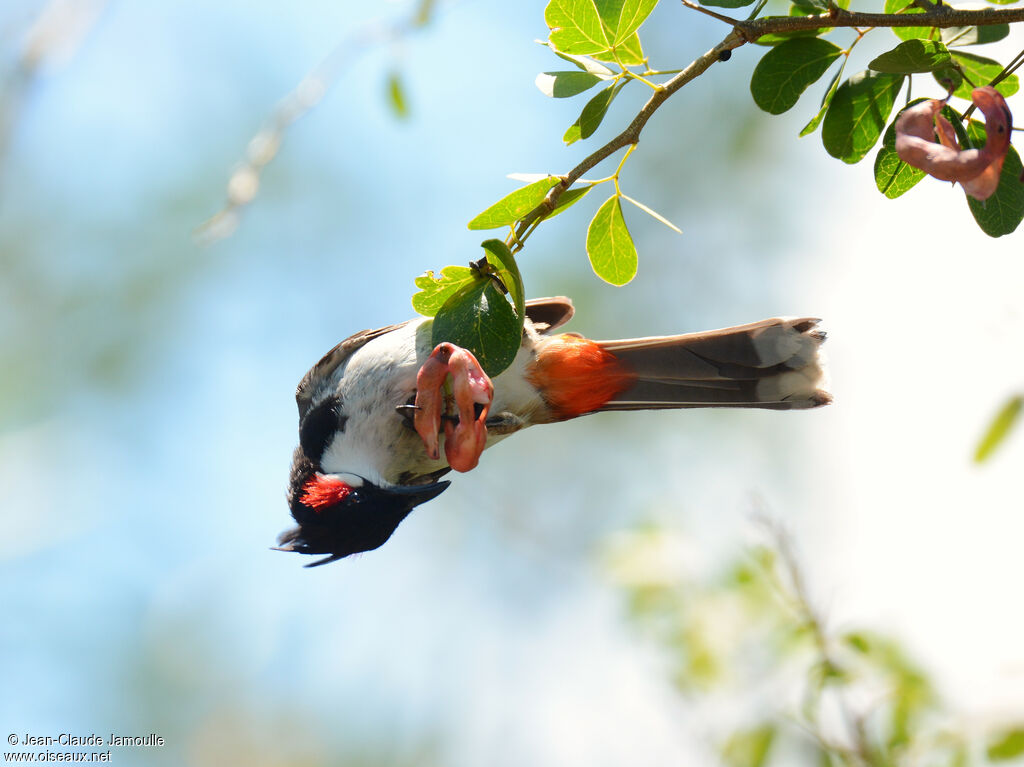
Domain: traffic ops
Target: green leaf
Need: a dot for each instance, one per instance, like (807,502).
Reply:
(981,71)
(396,96)
(858,113)
(775,38)
(912,56)
(628,53)
(728,3)
(434,291)
(609,244)
(949,77)
(585,63)
(826,101)
(999,428)
(1002,212)
(560,85)
(514,206)
(480,319)
(957,121)
(959,36)
(474,312)
(609,11)
(623,17)
(909,33)
(592,115)
(569,198)
(749,748)
(1007,745)
(786,71)
(576,26)
(505,269)
(893,177)
(1003,2)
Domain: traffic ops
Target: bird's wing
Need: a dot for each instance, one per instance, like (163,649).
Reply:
(322,370)
(546,314)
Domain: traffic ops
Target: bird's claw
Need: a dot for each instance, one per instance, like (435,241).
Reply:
(464,441)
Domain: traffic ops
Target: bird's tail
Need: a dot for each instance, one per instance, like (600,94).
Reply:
(773,364)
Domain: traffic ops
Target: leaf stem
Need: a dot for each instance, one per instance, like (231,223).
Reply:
(622,162)
(641,78)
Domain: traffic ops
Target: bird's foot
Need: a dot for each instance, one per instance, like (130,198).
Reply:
(505,423)
(474,392)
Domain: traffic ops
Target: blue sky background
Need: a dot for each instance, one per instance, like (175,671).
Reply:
(147,416)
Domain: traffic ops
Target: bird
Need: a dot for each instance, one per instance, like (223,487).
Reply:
(376,410)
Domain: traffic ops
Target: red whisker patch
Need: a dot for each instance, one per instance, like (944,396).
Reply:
(320,492)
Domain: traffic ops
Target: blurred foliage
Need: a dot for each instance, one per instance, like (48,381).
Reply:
(799,691)
(999,428)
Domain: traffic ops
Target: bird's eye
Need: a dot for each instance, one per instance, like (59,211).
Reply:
(319,426)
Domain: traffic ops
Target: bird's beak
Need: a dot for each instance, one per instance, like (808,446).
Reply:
(362,521)
(414,495)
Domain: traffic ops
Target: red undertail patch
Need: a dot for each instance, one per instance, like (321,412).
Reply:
(576,376)
(320,492)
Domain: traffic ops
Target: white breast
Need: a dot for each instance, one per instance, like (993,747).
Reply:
(376,443)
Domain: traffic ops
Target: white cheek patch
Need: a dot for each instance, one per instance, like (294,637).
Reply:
(352,456)
(351,480)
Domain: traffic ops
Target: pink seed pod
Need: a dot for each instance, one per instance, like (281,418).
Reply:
(977,170)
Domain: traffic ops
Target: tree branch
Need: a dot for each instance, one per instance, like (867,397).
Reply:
(748,31)
(942,17)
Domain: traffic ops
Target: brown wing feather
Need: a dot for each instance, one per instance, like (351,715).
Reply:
(547,314)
